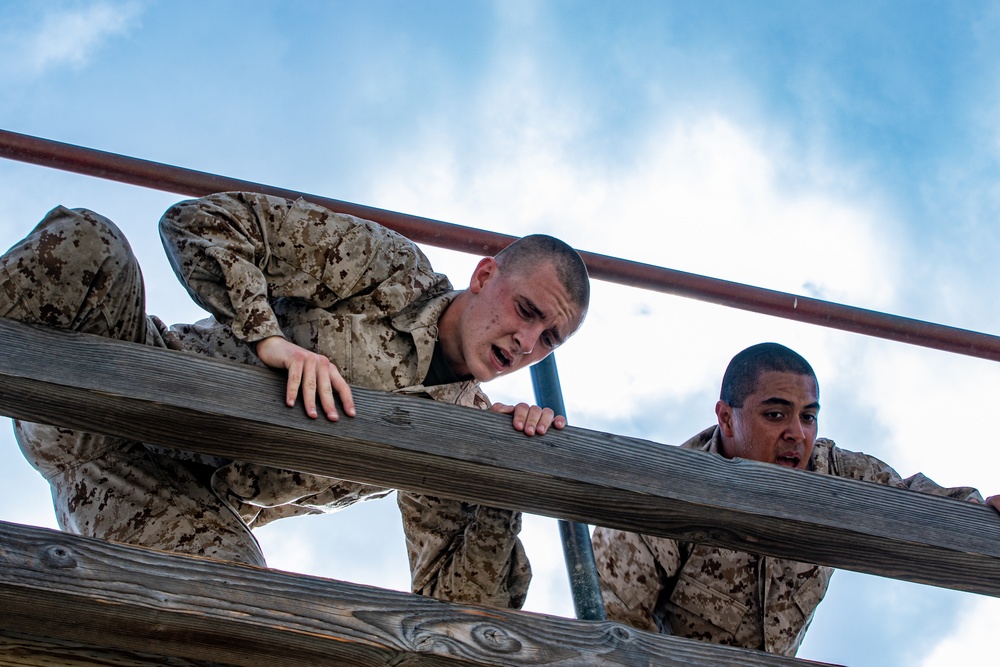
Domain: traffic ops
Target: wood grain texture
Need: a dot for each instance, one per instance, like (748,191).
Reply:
(19,650)
(130,599)
(185,401)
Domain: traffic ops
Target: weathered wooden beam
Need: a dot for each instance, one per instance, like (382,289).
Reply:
(233,410)
(21,650)
(128,599)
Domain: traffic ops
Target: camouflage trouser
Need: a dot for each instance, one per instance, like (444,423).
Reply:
(76,271)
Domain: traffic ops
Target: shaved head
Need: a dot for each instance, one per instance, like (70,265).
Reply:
(746,368)
(525,254)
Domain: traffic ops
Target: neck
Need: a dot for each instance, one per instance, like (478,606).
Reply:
(449,335)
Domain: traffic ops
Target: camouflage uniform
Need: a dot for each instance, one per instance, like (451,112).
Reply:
(725,596)
(352,290)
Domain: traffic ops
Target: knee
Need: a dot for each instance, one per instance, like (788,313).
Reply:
(83,235)
(75,270)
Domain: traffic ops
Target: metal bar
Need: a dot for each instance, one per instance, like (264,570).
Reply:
(577,547)
(467,239)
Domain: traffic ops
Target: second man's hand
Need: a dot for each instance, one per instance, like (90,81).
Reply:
(310,374)
(530,419)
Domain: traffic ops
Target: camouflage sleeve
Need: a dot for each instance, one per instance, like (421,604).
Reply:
(464,553)
(856,465)
(234,252)
(923,484)
(634,570)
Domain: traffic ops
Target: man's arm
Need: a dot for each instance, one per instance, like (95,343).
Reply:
(633,570)
(464,553)
(470,553)
(236,252)
(856,465)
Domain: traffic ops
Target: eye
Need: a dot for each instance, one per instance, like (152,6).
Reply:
(774,415)
(809,419)
(523,312)
(549,341)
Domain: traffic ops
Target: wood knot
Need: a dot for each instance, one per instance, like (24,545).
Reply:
(398,417)
(495,639)
(620,633)
(58,557)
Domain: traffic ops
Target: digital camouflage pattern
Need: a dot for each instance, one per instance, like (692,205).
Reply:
(76,271)
(725,596)
(347,288)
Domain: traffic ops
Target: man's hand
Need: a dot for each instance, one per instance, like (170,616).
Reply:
(994,502)
(311,372)
(530,419)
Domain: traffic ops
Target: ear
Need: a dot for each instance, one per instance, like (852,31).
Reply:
(724,414)
(486,269)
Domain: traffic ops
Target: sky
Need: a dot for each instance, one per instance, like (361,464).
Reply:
(844,151)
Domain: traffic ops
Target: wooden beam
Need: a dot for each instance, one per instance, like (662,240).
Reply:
(127,599)
(20,650)
(233,410)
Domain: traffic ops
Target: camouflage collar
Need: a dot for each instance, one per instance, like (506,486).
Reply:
(465,393)
(420,320)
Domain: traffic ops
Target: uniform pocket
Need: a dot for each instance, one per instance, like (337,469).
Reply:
(708,604)
(811,592)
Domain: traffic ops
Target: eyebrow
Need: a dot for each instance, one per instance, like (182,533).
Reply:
(785,402)
(530,306)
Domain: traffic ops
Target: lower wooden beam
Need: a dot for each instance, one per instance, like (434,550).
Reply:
(126,599)
(20,650)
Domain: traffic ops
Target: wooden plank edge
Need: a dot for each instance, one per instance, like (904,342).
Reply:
(126,598)
(411,444)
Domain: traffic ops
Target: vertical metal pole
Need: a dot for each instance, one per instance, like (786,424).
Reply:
(577,548)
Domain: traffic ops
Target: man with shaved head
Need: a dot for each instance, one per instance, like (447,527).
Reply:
(329,299)
(768,412)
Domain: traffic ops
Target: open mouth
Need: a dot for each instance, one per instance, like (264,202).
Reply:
(788,460)
(502,360)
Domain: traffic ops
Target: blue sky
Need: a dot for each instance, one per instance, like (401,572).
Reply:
(848,151)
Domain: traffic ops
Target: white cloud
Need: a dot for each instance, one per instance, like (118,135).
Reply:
(67,37)
(549,591)
(932,406)
(703,197)
(24,495)
(709,196)
(363,545)
(973,642)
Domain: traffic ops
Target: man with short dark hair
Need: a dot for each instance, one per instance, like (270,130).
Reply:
(767,412)
(332,299)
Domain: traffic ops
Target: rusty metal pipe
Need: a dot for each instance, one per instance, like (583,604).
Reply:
(189,182)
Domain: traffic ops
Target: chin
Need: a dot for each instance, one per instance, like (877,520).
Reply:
(484,373)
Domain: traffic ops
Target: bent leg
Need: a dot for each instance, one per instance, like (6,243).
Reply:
(76,271)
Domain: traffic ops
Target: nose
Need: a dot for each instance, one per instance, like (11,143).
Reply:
(796,432)
(527,337)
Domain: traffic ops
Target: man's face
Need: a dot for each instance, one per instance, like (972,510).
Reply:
(514,319)
(776,424)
